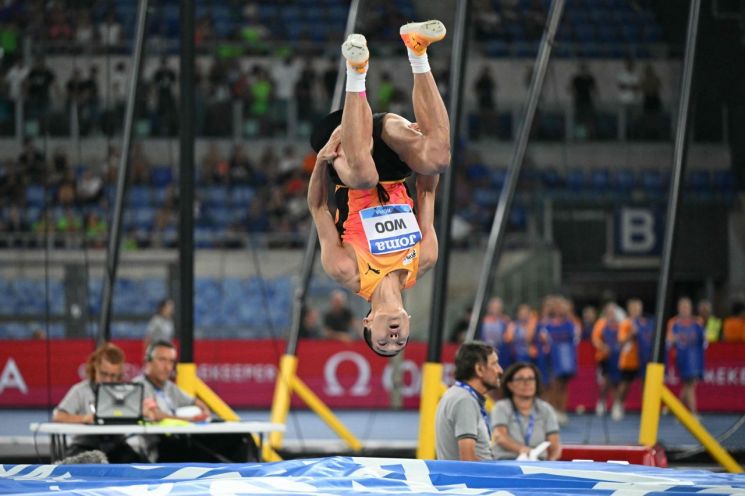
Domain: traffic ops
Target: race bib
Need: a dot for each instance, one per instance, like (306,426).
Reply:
(390,228)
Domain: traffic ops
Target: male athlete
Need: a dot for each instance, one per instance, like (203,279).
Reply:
(377,245)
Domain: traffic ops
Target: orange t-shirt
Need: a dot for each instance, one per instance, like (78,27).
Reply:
(629,358)
(399,245)
(734,329)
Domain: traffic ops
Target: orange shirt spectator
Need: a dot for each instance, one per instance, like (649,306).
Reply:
(733,330)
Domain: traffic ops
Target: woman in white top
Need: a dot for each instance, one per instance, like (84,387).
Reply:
(522,421)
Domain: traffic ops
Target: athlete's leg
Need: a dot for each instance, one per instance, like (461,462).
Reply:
(357,170)
(429,109)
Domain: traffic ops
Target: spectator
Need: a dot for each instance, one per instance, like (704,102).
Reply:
(39,83)
(734,326)
(628,85)
(163,79)
(583,89)
(110,31)
(651,85)
(712,324)
(589,317)
(558,329)
(337,321)
(493,327)
(607,352)
(16,80)
(32,162)
(160,327)
(305,92)
(521,421)
(458,334)
(685,334)
(462,426)
(635,339)
(310,324)
(84,30)
(485,88)
(285,77)
(521,335)
(106,364)
(165,400)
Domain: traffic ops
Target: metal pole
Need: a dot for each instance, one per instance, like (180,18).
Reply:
(440,286)
(311,245)
(679,161)
(115,233)
(496,236)
(186,184)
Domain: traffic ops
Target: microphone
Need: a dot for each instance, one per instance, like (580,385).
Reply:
(86,457)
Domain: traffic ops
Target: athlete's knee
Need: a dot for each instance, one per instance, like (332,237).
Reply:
(364,173)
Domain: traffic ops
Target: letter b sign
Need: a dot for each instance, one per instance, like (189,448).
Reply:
(637,231)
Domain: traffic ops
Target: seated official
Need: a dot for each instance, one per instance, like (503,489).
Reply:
(521,421)
(163,399)
(461,422)
(78,406)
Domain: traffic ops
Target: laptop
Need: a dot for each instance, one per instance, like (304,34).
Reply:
(118,403)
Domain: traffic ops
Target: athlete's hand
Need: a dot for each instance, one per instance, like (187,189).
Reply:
(330,150)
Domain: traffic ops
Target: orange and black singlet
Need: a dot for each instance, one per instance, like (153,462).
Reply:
(385,237)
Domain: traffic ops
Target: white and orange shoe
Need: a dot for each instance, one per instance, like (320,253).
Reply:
(419,35)
(356,52)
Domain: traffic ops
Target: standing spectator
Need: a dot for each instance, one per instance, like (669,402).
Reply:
(493,327)
(583,89)
(607,353)
(627,82)
(337,321)
(84,30)
(685,334)
(485,88)
(16,80)
(462,426)
(712,324)
(160,327)
(104,365)
(32,162)
(285,77)
(734,326)
(91,102)
(260,92)
(164,78)
(562,334)
(310,325)
(40,80)
(635,340)
(458,334)
(521,335)
(651,85)
(305,92)
(521,421)
(110,31)
(589,317)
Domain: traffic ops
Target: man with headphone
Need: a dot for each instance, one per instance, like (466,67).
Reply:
(162,396)
(164,399)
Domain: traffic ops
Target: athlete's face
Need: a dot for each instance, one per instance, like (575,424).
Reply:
(389,330)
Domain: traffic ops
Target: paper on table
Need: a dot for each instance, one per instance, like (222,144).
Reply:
(534,453)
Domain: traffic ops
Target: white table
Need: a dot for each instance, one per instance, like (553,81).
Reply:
(59,431)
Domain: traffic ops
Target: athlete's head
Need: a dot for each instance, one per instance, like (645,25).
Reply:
(386,330)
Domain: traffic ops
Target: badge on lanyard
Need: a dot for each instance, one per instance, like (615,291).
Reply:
(390,228)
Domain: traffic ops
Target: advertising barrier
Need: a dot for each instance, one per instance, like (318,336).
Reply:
(38,373)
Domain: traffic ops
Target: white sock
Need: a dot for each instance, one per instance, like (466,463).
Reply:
(419,63)
(355,80)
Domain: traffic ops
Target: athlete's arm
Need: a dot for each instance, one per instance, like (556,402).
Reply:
(427,154)
(425,206)
(334,259)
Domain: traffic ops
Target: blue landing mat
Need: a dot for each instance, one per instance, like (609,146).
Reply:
(355,475)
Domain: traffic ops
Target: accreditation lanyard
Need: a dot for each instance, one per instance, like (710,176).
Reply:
(527,433)
(479,401)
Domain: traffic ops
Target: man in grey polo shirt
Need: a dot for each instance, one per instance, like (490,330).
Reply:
(462,424)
